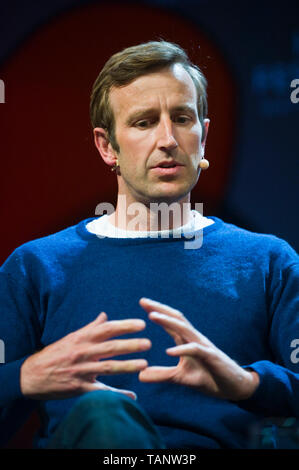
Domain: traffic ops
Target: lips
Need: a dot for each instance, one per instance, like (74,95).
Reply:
(170,169)
(168,164)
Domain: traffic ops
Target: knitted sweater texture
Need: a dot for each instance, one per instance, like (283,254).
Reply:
(240,289)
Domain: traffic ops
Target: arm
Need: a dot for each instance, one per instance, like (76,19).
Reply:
(20,339)
(19,333)
(28,371)
(67,367)
(277,394)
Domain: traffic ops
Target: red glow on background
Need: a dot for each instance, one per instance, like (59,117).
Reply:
(52,175)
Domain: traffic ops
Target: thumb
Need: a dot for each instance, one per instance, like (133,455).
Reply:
(157,374)
(101,386)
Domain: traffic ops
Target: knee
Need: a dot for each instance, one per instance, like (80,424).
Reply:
(105,420)
(102,401)
(104,408)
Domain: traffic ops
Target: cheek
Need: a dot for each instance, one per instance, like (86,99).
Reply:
(190,140)
(136,149)
(195,137)
(192,147)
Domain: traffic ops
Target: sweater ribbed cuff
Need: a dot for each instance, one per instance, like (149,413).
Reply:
(10,381)
(264,401)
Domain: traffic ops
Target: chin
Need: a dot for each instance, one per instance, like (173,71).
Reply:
(169,196)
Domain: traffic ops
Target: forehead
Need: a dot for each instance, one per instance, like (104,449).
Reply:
(171,86)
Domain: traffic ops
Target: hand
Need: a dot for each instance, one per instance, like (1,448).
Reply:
(201,365)
(70,366)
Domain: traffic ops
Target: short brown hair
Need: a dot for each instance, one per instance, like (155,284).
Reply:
(125,66)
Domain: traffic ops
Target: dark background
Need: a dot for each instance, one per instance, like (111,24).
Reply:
(50,55)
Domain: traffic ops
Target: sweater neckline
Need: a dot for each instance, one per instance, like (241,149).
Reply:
(84,233)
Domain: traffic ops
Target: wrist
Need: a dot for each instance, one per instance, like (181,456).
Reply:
(23,379)
(26,378)
(253,383)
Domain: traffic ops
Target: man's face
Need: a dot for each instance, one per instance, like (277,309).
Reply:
(157,124)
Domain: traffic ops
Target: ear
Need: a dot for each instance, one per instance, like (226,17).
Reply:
(104,147)
(206,123)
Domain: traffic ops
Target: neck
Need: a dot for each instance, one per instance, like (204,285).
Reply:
(153,216)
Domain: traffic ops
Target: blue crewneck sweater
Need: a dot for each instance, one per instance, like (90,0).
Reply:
(240,289)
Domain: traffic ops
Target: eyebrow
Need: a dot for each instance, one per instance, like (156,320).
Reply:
(141,113)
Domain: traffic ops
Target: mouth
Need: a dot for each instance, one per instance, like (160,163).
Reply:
(168,168)
(168,164)
(172,169)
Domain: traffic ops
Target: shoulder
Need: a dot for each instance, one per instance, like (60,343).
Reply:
(47,250)
(238,240)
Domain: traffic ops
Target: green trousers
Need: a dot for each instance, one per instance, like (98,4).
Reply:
(106,420)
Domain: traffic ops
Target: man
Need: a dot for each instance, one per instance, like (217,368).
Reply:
(211,354)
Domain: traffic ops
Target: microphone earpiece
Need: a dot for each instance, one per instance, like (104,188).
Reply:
(204,164)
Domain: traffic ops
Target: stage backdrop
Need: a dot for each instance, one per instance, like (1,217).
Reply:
(53,174)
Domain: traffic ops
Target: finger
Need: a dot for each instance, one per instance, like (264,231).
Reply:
(152,305)
(113,328)
(157,374)
(177,338)
(100,319)
(175,326)
(116,347)
(184,329)
(111,367)
(101,386)
(190,349)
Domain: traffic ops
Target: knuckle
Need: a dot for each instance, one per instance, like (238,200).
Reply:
(109,347)
(197,348)
(123,327)
(106,367)
(69,374)
(74,337)
(75,386)
(105,329)
(129,367)
(194,347)
(75,356)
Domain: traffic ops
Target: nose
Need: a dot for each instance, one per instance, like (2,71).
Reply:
(166,139)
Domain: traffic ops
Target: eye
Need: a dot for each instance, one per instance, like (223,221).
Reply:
(143,124)
(182,119)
